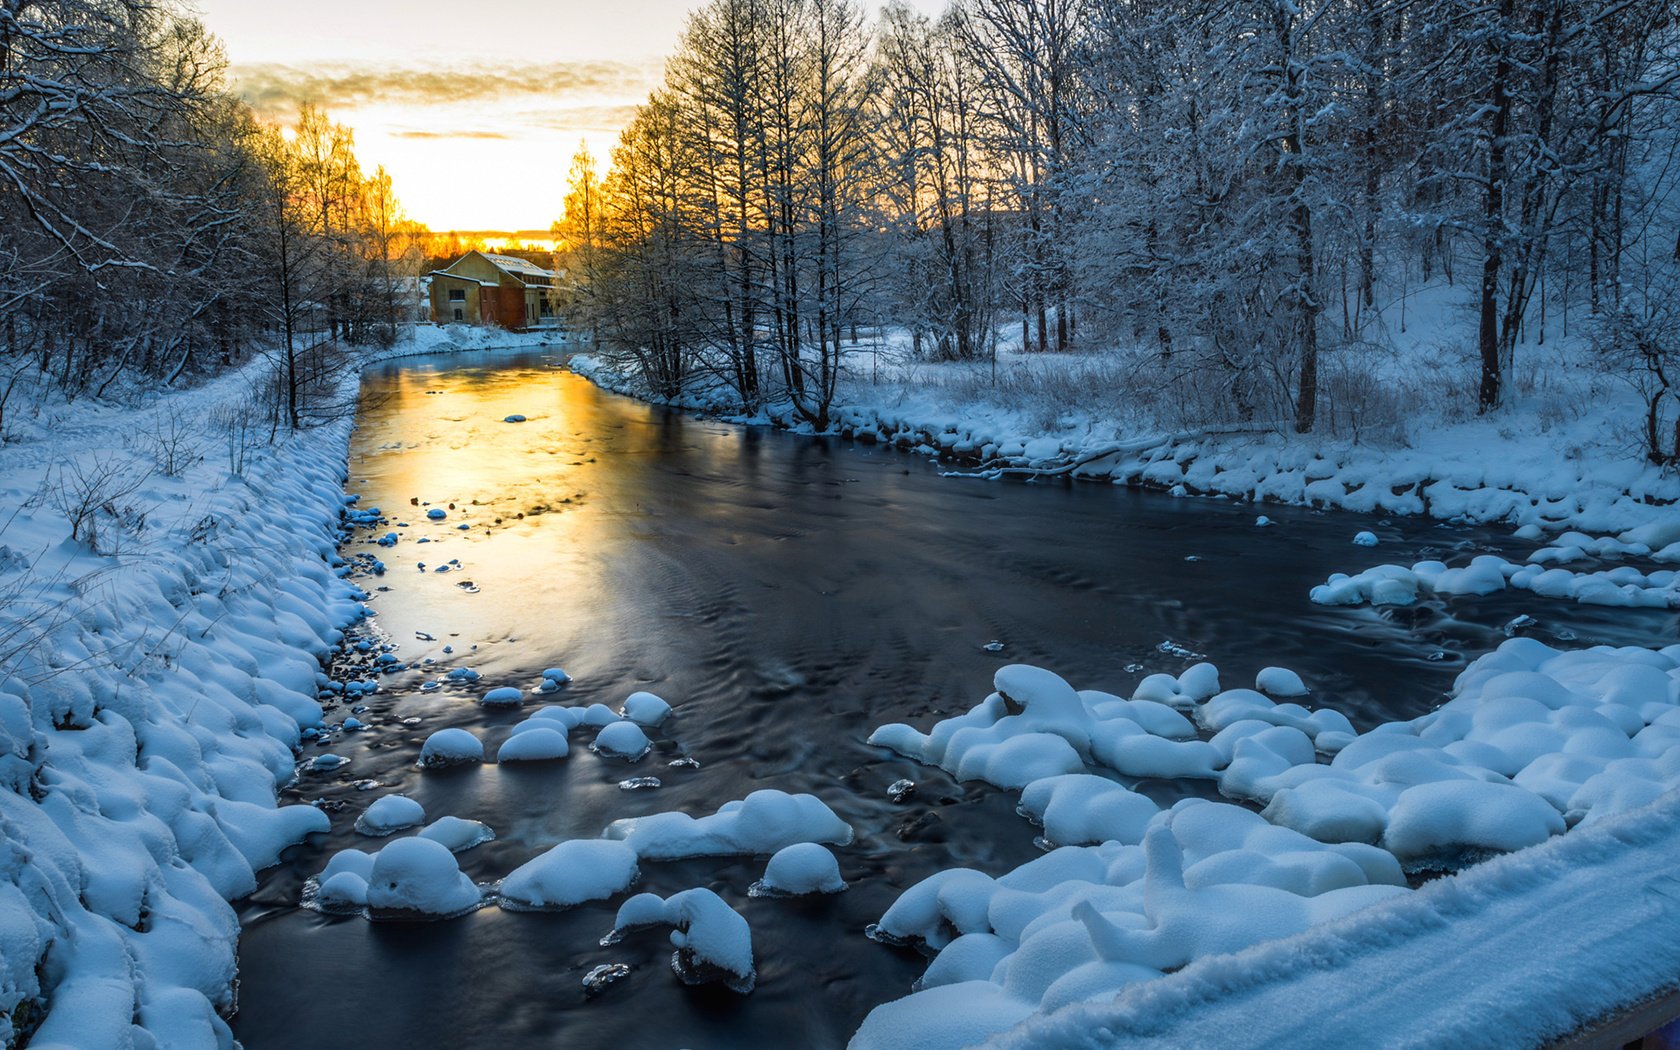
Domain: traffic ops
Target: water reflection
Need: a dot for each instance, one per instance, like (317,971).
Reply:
(787,595)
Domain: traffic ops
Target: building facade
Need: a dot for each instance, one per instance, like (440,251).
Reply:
(479,288)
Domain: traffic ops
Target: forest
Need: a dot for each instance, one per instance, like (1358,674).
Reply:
(153,230)
(1236,196)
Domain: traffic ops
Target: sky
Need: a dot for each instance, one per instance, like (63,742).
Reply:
(475,107)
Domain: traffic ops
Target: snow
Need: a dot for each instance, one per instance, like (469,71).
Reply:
(158,674)
(1403,965)
(457,834)
(569,874)
(1624,586)
(645,709)
(418,878)
(1077,809)
(1556,459)
(621,740)
(539,744)
(1280,681)
(1365,539)
(799,870)
(1085,922)
(713,942)
(765,821)
(450,747)
(506,696)
(389,815)
(141,787)
(1534,741)
(158,677)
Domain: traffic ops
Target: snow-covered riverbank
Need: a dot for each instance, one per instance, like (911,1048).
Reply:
(168,588)
(1557,460)
(1068,950)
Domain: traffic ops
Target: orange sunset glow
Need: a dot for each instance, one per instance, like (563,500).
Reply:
(475,115)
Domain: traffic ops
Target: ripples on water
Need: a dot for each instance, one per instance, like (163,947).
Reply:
(787,595)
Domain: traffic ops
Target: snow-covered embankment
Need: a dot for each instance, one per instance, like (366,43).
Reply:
(153,683)
(1493,470)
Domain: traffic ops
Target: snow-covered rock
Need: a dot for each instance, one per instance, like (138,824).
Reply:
(389,815)
(418,878)
(504,696)
(457,834)
(1280,681)
(539,743)
(621,740)
(450,747)
(764,822)
(645,709)
(799,870)
(713,942)
(569,874)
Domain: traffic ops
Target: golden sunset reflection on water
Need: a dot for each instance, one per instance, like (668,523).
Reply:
(528,492)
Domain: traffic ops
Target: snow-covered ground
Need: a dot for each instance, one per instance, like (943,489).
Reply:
(1398,433)
(1304,906)
(168,587)
(157,670)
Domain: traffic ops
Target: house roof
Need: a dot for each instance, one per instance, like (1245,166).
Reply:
(464,280)
(517,266)
(528,274)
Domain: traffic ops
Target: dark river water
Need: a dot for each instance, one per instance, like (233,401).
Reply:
(787,595)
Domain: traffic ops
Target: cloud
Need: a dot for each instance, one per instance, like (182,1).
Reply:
(581,118)
(276,90)
(462,134)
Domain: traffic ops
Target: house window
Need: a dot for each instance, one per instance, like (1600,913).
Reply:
(530,312)
(459,316)
(547,308)
(457,295)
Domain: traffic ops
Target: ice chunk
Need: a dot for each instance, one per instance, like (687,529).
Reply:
(1365,539)
(597,979)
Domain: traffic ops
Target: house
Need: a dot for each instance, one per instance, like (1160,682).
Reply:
(479,288)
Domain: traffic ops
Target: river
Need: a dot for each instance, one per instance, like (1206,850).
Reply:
(786,594)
